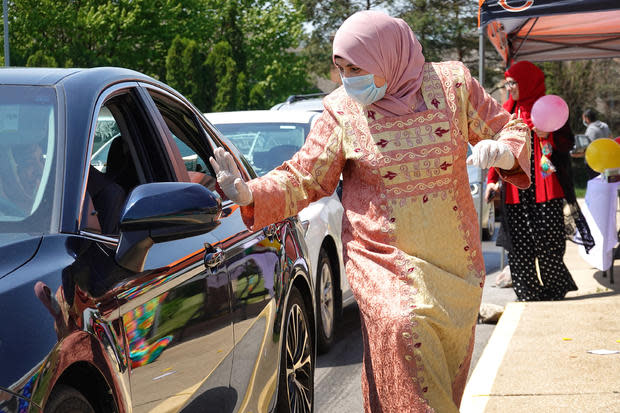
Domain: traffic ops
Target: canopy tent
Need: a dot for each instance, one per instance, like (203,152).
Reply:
(545,30)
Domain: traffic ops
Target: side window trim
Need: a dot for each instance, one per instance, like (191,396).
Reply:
(103,97)
(172,151)
(217,139)
(213,137)
(210,134)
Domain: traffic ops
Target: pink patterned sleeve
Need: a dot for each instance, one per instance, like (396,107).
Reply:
(486,119)
(312,173)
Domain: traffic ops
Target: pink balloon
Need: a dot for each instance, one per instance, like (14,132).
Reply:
(549,113)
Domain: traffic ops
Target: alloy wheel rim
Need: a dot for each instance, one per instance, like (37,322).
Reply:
(298,362)
(327,300)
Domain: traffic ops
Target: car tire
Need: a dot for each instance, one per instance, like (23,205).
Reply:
(489,231)
(325,303)
(67,399)
(296,379)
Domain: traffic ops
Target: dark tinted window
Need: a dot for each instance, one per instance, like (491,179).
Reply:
(189,138)
(28,143)
(126,153)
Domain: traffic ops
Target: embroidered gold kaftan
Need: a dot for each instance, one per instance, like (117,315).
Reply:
(413,255)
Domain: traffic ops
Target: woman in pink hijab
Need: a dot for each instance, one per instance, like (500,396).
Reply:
(398,131)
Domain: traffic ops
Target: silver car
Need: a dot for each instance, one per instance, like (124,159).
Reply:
(478,186)
(267,138)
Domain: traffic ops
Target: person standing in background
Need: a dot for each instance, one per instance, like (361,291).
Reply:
(534,229)
(595,129)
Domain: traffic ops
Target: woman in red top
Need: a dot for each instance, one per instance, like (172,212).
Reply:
(533,228)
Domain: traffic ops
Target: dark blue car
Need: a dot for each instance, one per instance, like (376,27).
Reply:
(128,282)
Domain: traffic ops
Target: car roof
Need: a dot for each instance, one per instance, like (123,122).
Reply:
(260,116)
(87,80)
(33,76)
(315,105)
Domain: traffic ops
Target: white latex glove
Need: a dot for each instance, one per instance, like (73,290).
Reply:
(488,153)
(229,178)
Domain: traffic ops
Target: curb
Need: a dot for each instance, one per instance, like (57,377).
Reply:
(479,387)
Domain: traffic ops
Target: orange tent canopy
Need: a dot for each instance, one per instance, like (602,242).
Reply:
(544,30)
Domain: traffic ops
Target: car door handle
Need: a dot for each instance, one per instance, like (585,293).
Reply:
(214,256)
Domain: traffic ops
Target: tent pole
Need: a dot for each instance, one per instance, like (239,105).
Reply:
(481,54)
(481,81)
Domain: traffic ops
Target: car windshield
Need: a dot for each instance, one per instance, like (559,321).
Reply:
(27,146)
(266,145)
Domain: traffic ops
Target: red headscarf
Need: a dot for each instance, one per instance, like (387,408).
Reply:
(531,82)
(384,46)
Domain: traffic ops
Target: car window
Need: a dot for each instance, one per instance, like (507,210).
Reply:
(266,145)
(28,141)
(189,138)
(125,155)
(106,130)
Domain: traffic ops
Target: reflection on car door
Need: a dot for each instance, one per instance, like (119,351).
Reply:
(176,319)
(253,262)
(178,324)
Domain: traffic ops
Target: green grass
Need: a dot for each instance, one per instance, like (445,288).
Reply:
(580,180)
(580,192)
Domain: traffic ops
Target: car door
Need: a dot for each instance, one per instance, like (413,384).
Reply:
(252,259)
(174,317)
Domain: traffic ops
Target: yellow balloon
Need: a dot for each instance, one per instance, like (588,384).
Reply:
(602,154)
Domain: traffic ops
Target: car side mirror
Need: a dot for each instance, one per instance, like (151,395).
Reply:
(160,212)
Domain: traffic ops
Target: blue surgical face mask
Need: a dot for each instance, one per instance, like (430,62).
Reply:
(363,89)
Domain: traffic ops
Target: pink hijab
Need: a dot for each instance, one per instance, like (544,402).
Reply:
(385,46)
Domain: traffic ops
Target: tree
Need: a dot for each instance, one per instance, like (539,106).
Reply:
(224,71)
(275,66)
(130,33)
(40,59)
(448,31)
(242,92)
(585,84)
(325,17)
(280,78)
(445,29)
(574,82)
(186,72)
(139,34)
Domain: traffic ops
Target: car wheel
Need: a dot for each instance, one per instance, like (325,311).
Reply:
(489,230)
(325,300)
(296,383)
(67,399)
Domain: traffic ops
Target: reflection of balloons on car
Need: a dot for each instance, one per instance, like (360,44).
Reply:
(549,113)
(602,154)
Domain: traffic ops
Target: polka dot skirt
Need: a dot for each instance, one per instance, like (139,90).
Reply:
(536,261)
